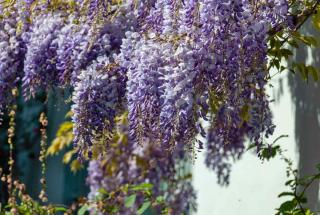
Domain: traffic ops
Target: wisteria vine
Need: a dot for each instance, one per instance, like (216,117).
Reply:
(183,71)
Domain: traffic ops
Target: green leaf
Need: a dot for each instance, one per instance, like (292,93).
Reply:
(293,43)
(160,199)
(244,113)
(103,191)
(143,186)
(272,42)
(316,20)
(287,206)
(289,182)
(308,212)
(298,212)
(83,209)
(308,40)
(286,194)
(75,165)
(302,199)
(251,146)
(144,207)
(130,201)
(277,63)
(60,209)
(115,210)
(270,151)
(317,176)
(313,71)
(305,70)
(286,53)
(67,156)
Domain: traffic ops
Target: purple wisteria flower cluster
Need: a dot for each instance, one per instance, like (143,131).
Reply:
(183,71)
(12,50)
(97,101)
(127,164)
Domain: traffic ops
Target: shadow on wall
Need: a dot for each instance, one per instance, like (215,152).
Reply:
(306,98)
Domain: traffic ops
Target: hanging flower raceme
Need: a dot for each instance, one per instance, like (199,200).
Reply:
(145,68)
(234,48)
(11,55)
(40,62)
(162,86)
(80,44)
(77,47)
(177,117)
(97,99)
(72,40)
(91,106)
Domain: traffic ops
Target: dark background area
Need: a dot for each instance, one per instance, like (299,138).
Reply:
(64,187)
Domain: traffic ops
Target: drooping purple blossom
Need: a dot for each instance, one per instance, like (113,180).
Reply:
(80,44)
(177,119)
(69,40)
(40,62)
(141,57)
(238,43)
(11,55)
(97,99)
